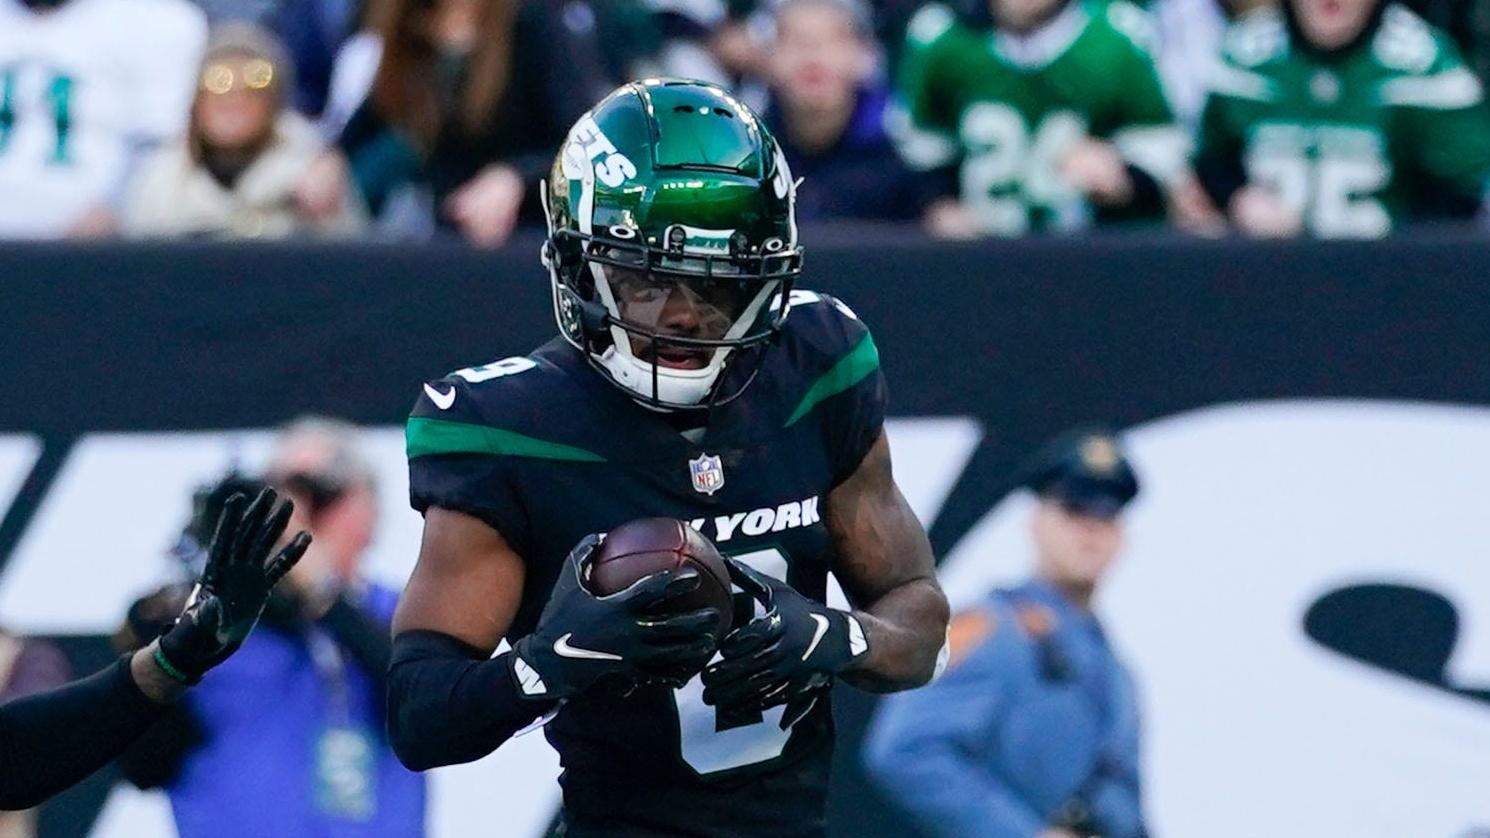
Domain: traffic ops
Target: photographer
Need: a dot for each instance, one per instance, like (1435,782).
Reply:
(317,760)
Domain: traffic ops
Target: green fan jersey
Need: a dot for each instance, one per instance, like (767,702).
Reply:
(1356,140)
(1006,109)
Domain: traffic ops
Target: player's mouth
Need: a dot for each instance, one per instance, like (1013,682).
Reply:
(680,358)
(669,355)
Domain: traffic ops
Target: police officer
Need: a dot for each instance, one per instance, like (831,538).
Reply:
(1033,730)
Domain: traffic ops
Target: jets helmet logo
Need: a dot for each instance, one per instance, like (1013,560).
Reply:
(708,474)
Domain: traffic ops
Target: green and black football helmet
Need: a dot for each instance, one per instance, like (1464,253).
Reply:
(672,241)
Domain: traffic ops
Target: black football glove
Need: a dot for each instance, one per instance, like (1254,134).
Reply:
(785,656)
(230,596)
(626,638)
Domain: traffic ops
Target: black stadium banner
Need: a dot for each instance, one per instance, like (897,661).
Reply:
(1026,337)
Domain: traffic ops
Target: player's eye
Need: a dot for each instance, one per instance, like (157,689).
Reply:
(648,294)
(723,295)
(637,287)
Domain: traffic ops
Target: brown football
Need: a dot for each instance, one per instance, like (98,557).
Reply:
(648,545)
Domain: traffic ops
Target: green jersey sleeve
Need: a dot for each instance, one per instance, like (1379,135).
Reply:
(1217,160)
(922,121)
(456,462)
(1444,122)
(1144,127)
(1239,92)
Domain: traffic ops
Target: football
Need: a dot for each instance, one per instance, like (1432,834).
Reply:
(648,545)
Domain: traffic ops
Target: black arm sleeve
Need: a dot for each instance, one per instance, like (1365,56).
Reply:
(52,740)
(154,760)
(449,704)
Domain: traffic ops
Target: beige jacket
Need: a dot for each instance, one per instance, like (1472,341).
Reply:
(173,196)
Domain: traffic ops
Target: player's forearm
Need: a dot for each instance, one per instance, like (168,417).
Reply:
(449,705)
(906,628)
(886,565)
(53,740)
(151,679)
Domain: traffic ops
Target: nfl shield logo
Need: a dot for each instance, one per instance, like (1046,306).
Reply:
(708,474)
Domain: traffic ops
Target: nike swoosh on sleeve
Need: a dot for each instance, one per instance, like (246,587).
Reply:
(442,400)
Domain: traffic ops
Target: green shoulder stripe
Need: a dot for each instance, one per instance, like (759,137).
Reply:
(437,436)
(850,370)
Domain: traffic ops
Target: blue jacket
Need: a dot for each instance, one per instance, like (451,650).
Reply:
(1038,714)
(861,176)
(266,714)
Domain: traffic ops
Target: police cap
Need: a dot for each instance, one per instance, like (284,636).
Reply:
(1086,471)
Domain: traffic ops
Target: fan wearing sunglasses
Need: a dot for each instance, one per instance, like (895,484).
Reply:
(237,171)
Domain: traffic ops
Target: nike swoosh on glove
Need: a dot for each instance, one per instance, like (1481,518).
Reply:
(786,656)
(628,637)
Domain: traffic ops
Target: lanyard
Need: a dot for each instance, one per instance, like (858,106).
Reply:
(331,669)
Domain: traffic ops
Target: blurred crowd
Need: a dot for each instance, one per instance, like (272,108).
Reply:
(415,118)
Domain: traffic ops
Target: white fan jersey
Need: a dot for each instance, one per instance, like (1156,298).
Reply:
(82,89)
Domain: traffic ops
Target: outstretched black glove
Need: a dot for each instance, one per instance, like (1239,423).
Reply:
(230,596)
(625,638)
(785,656)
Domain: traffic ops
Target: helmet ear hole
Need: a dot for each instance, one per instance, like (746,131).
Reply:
(594,317)
(565,250)
(583,283)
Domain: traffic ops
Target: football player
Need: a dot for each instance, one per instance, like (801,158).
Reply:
(1049,118)
(690,380)
(1341,119)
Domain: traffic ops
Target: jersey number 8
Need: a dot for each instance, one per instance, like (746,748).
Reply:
(708,750)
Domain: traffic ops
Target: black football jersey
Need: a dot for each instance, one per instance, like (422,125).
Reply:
(546,451)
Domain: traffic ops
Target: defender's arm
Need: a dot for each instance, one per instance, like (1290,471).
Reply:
(886,567)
